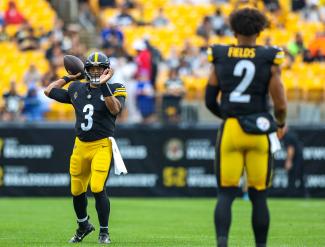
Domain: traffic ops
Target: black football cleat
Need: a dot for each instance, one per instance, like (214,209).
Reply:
(103,238)
(81,233)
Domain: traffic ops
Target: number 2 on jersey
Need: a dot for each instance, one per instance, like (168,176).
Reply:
(237,94)
(89,109)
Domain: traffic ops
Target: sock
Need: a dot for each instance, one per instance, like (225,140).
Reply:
(103,209)
(103,229)
(260,216)
(80,207)
(222,215)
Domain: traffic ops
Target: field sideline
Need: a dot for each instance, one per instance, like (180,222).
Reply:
(158,222)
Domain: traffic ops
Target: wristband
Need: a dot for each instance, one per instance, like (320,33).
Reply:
(107,92)
(66,79)
(280,125)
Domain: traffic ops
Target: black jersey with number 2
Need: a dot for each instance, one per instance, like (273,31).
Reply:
(243,75)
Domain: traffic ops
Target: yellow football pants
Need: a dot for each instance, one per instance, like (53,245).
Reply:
(90,162)
(235,150)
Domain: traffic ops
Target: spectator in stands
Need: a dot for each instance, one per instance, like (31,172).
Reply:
(32,76)
(272,5)
(143,59)
(124,18)
(171,102)
(125,70)
(12,15)
(172,60)
(219,23)
(297,5)
(311,13)
(107,3)
(2,20)
(297,46)
(3,35)
(130,4)
(86,18)
(13,104)
(49,76)
(294,163)
(307,56)
(187,58)
(32,105)
(200,66)
(71,38)
(160,20)
(317,46)
(56,57)
(205,29)
(57,32)
(156,58)
(25,38)
(109,32)
(145,98)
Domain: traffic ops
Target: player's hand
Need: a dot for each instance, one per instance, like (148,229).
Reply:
(108,73)
(74,77)
(281,132)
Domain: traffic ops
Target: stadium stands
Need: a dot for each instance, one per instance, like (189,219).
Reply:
(304,82)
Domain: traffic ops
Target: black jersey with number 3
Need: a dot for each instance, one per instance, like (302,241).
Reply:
(243,75)
(93,119)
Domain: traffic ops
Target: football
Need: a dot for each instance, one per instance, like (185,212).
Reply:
(73,65)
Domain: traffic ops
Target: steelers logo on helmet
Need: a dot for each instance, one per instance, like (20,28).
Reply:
(95,65)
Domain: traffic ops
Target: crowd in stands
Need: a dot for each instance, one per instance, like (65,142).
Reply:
(143,66)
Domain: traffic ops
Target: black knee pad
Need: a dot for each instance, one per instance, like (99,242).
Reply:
(228,191)
(255,194)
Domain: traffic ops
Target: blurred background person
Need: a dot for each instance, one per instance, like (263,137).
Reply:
(32,76)
(172,98)
(13,15)
(294,164)
(13,104)
(32,110)
(145,99)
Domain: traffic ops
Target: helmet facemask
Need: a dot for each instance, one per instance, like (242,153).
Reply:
(94,72)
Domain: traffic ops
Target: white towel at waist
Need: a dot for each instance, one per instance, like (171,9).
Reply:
(119,166)
(275,143)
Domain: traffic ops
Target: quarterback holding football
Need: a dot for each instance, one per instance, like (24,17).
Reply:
(96,103)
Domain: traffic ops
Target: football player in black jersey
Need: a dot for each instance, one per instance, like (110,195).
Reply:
(238,89)
(96,105)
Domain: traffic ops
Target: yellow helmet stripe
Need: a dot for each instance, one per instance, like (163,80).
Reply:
(96,57)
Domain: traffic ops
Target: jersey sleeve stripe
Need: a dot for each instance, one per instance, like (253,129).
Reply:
(120,89)
(210,54)
(279,58)
(123,94)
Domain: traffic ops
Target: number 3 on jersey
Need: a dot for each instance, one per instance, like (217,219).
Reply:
(89,110)
(237,94)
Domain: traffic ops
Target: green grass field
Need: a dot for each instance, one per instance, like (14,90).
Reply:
(158,222)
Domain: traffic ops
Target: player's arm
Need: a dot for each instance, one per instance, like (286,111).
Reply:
(113,104)
(279,98)
(211,94)
(55,90)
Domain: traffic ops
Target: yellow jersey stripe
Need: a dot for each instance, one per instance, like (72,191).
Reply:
(121,88)
(210,54)
(116,94)
(279,58)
